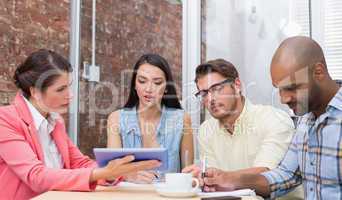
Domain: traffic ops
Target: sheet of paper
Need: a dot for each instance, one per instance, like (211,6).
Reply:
(150,187)
(244,192)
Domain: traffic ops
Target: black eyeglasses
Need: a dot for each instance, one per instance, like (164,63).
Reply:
(215,88)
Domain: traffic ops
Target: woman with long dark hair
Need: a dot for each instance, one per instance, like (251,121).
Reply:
(36,154)
(152,117)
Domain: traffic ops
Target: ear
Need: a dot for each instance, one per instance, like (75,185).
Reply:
(237,85)
(35,93)
(319,71)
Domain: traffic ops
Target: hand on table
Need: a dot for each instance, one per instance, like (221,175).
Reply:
(141,177)
(217,180)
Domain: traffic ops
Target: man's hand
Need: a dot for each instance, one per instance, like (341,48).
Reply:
(218,180)
(193,169)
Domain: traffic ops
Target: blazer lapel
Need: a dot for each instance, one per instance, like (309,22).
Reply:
(30,129)
(61,143)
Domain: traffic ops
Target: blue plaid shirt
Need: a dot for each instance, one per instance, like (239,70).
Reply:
(314,157)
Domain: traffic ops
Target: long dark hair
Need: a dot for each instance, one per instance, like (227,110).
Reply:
(40,64)
(170,98)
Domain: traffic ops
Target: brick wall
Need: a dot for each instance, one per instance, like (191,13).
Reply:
(26,26)
(125,30)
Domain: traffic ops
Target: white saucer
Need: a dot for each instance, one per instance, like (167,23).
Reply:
(163,191)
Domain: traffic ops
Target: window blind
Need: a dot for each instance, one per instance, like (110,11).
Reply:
(332,37)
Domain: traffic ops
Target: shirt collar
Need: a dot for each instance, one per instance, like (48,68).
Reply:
(243,113)
(38,118)
(336,101)
(241,117)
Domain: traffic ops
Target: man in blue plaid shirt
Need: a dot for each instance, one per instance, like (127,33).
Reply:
(314,157)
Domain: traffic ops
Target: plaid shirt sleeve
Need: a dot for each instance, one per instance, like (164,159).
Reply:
(286,176)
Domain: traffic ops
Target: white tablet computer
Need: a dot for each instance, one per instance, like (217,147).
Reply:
(104,155)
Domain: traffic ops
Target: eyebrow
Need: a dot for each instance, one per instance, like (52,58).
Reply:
(288,86)
(291,83)
(155,79)
(62,87)
(218,83)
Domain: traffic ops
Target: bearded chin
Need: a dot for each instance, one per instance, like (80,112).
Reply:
(314,98)
(302,109)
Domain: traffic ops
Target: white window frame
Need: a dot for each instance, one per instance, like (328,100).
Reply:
(191,58)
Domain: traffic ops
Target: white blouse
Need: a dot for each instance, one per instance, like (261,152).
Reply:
(44,128)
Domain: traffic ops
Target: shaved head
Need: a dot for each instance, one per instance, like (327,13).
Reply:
(299,70)
(296,53)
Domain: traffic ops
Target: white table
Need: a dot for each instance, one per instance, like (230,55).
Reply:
(114,193)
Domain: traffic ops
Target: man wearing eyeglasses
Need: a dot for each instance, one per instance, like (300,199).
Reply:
(240,137)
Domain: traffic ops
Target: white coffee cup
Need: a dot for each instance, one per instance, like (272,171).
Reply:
(180,182)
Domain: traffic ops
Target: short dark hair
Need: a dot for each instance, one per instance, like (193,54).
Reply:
(39,62)
(221,66)
(170,98)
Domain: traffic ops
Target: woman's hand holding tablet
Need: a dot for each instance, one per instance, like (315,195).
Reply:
(121,166)
(104,155)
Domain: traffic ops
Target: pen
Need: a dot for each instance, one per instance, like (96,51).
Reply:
(204,168)
(156,175)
